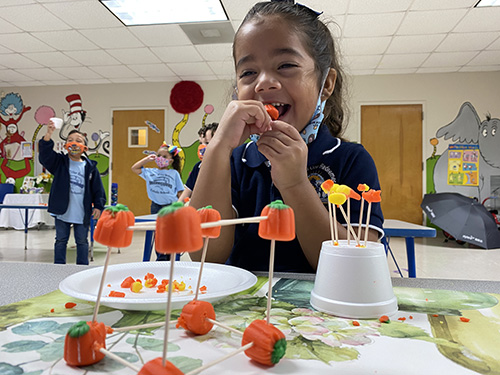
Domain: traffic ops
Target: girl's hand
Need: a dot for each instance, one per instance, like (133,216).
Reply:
(286,150)
(150,157)
(96,213)
(240,119)
(50,127)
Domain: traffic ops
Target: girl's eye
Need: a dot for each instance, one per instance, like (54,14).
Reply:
(246,73)
(287,65)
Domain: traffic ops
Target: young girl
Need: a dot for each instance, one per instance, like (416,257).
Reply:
(163,184)
(76,193)
(285,56)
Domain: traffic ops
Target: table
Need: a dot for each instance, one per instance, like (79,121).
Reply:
(31,337)
(15,212)
(398,228)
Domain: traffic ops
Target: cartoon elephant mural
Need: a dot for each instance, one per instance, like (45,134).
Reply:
(467,128)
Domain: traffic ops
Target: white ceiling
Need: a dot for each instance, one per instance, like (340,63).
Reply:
(64,42)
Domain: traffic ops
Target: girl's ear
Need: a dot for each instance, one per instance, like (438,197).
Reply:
(329,86)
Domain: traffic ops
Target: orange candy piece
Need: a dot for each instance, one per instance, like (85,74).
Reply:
(208,214)
(372,196)
(178,229)
(80,347)
(269,344)
(155,367)
(272,111)
(193,317)
(127,283)
(280,222)
(111,229)
(327,186)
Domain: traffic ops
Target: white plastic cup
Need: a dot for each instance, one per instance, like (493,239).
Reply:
(57,122)
(353,282)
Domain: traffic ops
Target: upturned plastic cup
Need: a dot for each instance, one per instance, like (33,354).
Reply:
(57,122)
(353,282)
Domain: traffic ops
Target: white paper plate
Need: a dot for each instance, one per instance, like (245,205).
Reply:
(220,280)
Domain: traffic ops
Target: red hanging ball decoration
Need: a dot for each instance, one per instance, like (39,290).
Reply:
(186,97)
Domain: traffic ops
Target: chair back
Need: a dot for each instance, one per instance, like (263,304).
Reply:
(5,189)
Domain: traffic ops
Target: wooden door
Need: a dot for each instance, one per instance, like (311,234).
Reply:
(131,187)
(392,134)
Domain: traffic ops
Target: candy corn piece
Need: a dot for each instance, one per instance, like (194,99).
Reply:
(272,111)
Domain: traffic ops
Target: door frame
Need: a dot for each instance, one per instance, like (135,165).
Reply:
(424,128)
(110,121)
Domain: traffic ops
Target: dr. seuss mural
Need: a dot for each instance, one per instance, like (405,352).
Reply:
(17,154)
(471,164)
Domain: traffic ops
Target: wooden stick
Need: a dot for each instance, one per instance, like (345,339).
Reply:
(367,222)
(215,322)
(101,285)
(336,241)
(348,221)
(361,216)
(210,224)
(119,359)
(168,309)
(202,262)
(349,227)
(331,220)
(227,356)
(141,326)
(271,273)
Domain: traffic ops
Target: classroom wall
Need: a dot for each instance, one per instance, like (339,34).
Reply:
(441,96)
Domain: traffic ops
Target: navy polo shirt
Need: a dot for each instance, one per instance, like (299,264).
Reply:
(252,189)
(191,181)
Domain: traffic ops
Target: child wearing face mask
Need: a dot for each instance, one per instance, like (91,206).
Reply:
(163,184)
(296,69)
(76,195)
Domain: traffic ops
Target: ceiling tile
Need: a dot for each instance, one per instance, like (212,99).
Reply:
(486,58)
(34,17)
(191,77)
(495,45)
(114,71)
(222,67)
(365,46)
(192,68)
(134,56)
(442,4)
(152,70)
(24,43)
(466,42)
(443,59)
(216,52)
(25,83)
(65,40)
(78,73)
(407,60)
(16,61)
(8,75)
(448,69)
(65,82)
(41,74)
(414,43)
(372,25)
(127,80)
(430,22)
(480,19)
(7,27)
(97,57)
(160,35)
(484,68)
(176,54)
(238,9)
(378,6)
(52,59)
(98,81)
(395,71)
(363,62)
(112,38)
(83,14)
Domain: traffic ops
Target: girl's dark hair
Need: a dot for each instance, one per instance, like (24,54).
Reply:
(176,164)
(318,41)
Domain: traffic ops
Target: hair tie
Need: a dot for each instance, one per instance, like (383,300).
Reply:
(292,2)
(172,150)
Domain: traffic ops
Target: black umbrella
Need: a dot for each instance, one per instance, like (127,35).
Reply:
(462,217)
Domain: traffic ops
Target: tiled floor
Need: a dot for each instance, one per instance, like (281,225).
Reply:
(434,257)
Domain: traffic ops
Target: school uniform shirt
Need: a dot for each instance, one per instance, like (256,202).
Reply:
(191,181)
(75,212)
(252,189)
(162,185)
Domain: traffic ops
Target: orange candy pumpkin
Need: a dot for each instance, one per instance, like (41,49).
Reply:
(208,214)
(155,367)
(82,342)
(178,229)
(111,229)
(269,343)
(280,222)
(272,111)
(194,316)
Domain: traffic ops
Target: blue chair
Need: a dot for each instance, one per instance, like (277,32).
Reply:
(5,189)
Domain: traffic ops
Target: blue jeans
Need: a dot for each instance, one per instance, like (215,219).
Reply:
(81,232)
(155,207)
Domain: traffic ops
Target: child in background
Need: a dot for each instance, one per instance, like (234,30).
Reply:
(163,184)
(76,193)
(284,55)
(205,135)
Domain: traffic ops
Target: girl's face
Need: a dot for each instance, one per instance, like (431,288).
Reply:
(274,67)
(163,158)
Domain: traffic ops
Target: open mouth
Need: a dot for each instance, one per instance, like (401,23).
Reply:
(282,108)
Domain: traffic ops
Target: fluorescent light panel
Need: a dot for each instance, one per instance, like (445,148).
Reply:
(488,3)
(150,12)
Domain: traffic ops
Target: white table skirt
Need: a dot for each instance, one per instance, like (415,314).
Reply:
(14,217)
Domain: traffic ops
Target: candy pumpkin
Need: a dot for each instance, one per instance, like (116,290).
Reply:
(280,222)
(80,347)
(272,111)
(269,344)
(194,316)
(155,367)
(178,229)
(111,229)
(208,214)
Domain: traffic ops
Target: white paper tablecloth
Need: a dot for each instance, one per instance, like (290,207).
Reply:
(14,217)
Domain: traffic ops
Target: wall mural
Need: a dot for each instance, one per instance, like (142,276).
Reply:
(17,163)
(459,168)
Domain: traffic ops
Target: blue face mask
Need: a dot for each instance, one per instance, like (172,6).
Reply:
(310,131)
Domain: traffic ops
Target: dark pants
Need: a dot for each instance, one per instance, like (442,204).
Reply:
(81,232)
(154,210)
